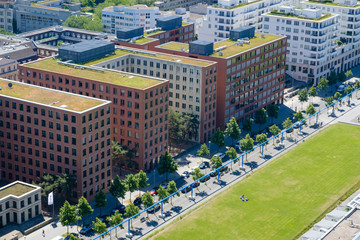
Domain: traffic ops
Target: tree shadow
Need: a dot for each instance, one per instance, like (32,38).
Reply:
(136,231)
(252,164)
(267,157)
(176,209)
(202,194)
(152,223)
(236,173)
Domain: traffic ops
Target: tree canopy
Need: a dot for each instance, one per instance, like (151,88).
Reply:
(84,22)
(232,129)
(215,162)
(118,188)
(231,153)
(303,95)
(67,215)
(203,151)
(84,208)
(247,143)
(329,100)
(312,91)
(247,124)
(99,226)
(273,110)
(197,174)
(323,84)
(142,179)
(298,116)
(162,193)
(132,183)
(100,200)
(218,138)
(260,116)
(287,123)
(167,164)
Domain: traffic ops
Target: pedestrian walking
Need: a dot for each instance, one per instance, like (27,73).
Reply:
(43,233)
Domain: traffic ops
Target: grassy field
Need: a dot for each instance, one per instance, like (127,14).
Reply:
(284,196)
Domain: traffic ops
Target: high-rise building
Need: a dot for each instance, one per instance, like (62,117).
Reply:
(312,41)
(7,15)
(250,71)
(227,15)
(44,130)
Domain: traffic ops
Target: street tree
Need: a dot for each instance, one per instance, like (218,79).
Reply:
(273,111)
(83,208)
(176,127)
(218,138)
(131,210)
(298,116)
(66,184)
(67,215)
(215,162)
(348,90)
(142,179)
(73,237)
(247,124)
(247,143)
(329,100)
(147,200)
(197,174)
(231,154)
(203,151)
(287,123)
(48,184)
(132,183)
(100,200)
(167,165)
(349,73)
(323,84)
(118,153)
(260,117)
(342,77)
(337,96)
(114,220)
(232,130)
(118,188)
(310,110)
(303,96)
(99,226)
(333,78)
(357,86)
(172,189)
(262,138)
(191,125)
(312,92)
(275,130)
(162,194)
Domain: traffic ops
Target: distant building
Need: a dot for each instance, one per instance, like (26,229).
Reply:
(30,16)
(167,5)
(19,202)
(118,17)
(50,38)
(7,14)
(227,15)
(8,69)
(312,44)
(17,48)
(43,130)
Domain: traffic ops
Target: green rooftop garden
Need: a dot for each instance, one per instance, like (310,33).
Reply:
(113,77)
(329,2)
(185,23)
(175,46)
(144,40)
(152,33)
(232,48)
(48,97)
(235,6)
(17,189)
(277,13)
(121,52)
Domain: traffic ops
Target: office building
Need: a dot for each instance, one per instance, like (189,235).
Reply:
(8,69)
(227,15)
(250,72)
(19,202)
(167,5)
(7,15)
(43,130)
(17,48)
(312,41)
(139,103)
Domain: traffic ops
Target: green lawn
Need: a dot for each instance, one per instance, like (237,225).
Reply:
(284,196)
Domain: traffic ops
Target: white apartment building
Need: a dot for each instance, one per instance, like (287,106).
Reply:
(118,17)
(312,41)
(231,14)
(19,202)
(7,14)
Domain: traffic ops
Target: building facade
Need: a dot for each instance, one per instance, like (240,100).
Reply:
(139,103)
(250,75)
(118,17)
(9,69)
(43,130)
(7,15)
(192,83)
(19,202)
(167,5)
(227,15)
(312,41)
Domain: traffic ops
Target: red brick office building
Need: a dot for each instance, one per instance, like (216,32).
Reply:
(48,131)
(139,104)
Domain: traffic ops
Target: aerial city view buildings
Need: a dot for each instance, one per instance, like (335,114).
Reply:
(117,117)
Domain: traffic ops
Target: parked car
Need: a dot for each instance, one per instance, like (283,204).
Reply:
(213,174)
(204,179)
(196,184)
(224,169)
(220,155)
(164,185)
(341,88)
(137,201)
(187,189)
(120,208)
(154,209)
(185,174)
(204,165)
(154,191)
(87,229)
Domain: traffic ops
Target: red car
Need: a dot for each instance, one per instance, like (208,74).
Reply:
(154,191)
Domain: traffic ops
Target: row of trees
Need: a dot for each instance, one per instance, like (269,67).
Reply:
(61,185)
(85,22)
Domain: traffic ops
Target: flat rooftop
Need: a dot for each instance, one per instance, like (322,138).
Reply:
(331,3)
(288,15)
(235,6)
(113,77)
(86,45)
(174,58)
(46,96)
(231,48)
(16,189)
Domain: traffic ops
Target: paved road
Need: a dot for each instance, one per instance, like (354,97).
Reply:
(204,191)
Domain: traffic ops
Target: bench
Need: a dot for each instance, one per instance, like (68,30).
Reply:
(143,219)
